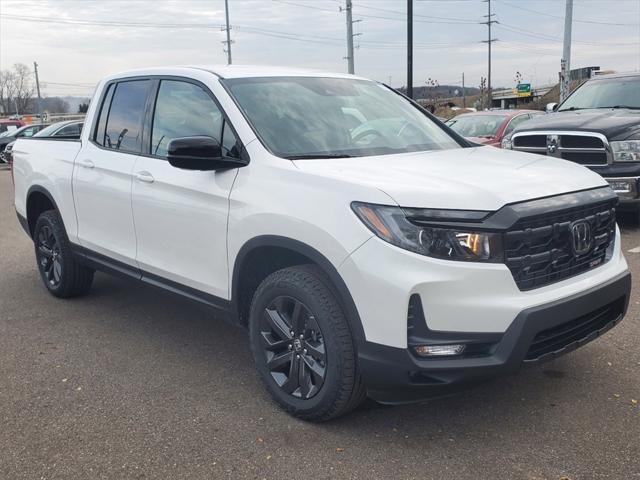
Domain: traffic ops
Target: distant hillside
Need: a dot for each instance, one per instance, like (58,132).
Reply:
(74,102)
(442,91)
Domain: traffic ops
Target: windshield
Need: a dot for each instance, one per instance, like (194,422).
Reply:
(312,117)
(485,126)
(609,93)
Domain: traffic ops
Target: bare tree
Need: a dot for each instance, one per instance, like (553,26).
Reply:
(7,88)
(23,87)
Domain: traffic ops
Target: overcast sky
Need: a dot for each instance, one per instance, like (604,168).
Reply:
(75,42)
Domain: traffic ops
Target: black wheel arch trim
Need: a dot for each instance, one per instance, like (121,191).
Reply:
(353,317)
(40,189)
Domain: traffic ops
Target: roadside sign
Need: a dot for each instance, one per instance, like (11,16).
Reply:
(524,90)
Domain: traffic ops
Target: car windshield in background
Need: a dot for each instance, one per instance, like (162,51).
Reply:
(61,129)
(622,92)
(319,117)
(482,126)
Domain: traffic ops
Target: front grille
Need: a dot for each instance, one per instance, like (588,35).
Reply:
(530,141)
(574,333)
(539,249)
(585,149)
(585,158)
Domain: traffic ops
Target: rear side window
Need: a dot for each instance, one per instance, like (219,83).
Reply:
(124,122)
(102,118)
(183,110)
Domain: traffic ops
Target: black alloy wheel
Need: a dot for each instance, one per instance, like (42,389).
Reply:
(294,347)
(61,273)
(49,256)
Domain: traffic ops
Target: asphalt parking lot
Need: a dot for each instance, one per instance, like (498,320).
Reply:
(132,383)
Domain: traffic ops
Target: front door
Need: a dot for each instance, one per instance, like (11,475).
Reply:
(180,216)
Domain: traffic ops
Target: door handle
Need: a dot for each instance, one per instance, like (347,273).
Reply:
(145,177)
(87,163)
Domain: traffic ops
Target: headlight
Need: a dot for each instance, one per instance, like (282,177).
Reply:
(506,143)
(404,228)
(626,151)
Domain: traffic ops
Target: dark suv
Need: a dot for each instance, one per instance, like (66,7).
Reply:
(597,126)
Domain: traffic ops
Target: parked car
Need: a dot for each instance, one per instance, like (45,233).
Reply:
(5,155)
(10,137)
(70,129)
(491,126)
(10,125)
(392,259)
(598,126)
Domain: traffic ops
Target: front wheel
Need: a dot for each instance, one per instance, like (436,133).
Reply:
(63,276)
(302,345)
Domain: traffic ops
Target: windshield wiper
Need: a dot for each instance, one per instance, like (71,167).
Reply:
(318,155)
(571,109)
(623,106)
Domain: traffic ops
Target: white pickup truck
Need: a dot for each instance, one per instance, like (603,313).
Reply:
(367,248)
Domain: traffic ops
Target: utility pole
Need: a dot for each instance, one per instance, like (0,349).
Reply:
(228,29)
(410,48)
(490,21)
(35,69)
(350,35)
(348,8)
(464,95)
(565,63)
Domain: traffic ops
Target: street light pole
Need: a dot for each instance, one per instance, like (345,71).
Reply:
(410,48)
(565,63)
(35,69)
(228,29)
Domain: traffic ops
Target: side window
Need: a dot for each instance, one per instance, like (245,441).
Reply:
(124,124)
(516,122)
(102,118)
(230,147)
(27,132)
(183,110)
(72,131)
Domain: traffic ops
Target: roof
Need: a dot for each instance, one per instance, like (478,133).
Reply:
(616,75)
(235,71)
(510,112)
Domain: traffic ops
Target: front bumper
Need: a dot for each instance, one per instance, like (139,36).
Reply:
(628,191)
(395,375)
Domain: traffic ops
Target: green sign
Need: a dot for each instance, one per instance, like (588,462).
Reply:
(524,88)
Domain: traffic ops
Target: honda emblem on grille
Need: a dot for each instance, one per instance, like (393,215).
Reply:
(582,237)
(552,143)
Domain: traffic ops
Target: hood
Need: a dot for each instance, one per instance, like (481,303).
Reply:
(483,140)
(614,123)
(481,178)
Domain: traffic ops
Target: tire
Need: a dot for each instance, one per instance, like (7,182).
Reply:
(323,383)
(63,276)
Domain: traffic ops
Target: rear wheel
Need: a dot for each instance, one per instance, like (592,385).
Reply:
(60,272)
(302,345)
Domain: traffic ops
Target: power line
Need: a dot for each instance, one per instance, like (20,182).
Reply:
(529,33)
(368,15)
(594,22)
(306,37)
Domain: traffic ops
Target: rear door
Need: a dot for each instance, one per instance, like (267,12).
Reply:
(104,170)
(181,215)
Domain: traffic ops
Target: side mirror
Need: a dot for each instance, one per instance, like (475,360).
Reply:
(199,153)
(551,107)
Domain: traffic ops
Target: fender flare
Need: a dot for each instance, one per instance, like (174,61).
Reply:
(46,193)
(353,317)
